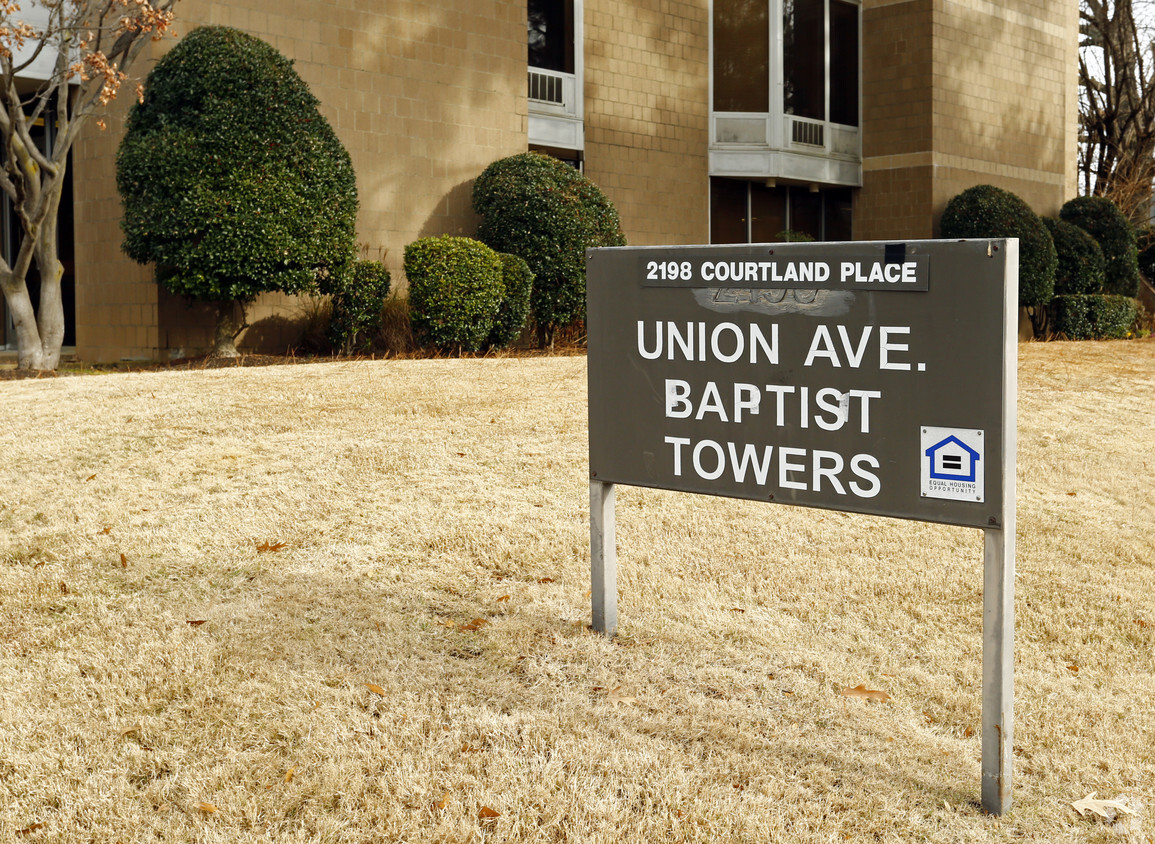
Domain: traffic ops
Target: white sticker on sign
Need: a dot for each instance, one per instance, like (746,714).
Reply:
(952,463)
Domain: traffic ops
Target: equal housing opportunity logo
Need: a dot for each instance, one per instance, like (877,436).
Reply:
(952,463)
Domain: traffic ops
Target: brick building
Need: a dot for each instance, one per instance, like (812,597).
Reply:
(702,120)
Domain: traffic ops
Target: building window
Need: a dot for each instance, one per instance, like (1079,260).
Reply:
(817,66)
(554,29)
(741,55)
(785,77)
(743,211)
(551,35)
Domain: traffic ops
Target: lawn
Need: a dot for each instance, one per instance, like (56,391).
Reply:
(348,602)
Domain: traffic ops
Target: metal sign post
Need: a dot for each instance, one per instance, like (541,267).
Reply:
(877,378)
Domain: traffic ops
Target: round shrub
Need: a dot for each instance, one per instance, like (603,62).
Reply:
(514,308)
(1094,316)
(1102,219)
(358,298)
(987,211)
(546,212)
(233,183)
(455,287)
(1081,266)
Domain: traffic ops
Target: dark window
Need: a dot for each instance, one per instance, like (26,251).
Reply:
(843,63)
(767,212)
(551,35)
(741,55)
(751,212)
(728,211)
(804,58)
(837,205)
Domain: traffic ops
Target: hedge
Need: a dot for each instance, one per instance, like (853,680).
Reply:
(455,288)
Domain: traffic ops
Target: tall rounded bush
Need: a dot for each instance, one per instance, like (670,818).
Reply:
(233,183)
(455,288)
(547,213)
(1081,266)
(1102,219)
(987,211)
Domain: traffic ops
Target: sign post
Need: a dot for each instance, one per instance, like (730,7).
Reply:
(877,378)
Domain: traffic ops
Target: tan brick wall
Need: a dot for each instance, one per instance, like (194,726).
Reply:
(964,92)
(116,299)
(423,95)
(647,115)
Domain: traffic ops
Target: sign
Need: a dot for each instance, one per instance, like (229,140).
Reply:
(868,377)
(805,374)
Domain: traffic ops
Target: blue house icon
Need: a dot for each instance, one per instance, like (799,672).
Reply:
(952,460)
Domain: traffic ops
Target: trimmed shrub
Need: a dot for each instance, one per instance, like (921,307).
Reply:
(1102,219)
(233,183)
(987,211)
(455,287)
(1081,266)
(514,308)
(1094,316)
(790,236)
(547,213)
(358,299)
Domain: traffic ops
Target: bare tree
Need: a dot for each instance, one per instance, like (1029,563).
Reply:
(1117,102)
(61,61)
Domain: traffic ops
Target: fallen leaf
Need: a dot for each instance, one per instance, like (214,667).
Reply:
(207,808)
(127,731)
(89,478)
(196,622)
(445,622)
(473,626)
(1074,669)
(615,698)
(461,454)
(968,732)
(503,598)
(443,802)
(63,588)
(107,531)
(545,580)
(123,561)
(469,748)
(860,691)
(488,814)
(375,689)
(737,609)
(1107,809)
(267,546)
(289,774)
(1142,623)
(1072,493)
(31,828)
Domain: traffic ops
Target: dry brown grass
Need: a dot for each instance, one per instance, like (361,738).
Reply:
(337,690)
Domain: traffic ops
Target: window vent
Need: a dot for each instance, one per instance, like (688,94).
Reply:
(545,89)
(811,134)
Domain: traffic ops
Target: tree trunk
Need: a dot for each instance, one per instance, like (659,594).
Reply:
(545,334)
(50,313)
(30,351)
(228,328)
